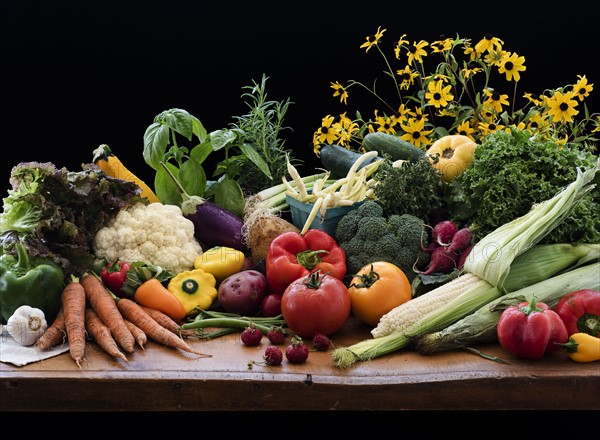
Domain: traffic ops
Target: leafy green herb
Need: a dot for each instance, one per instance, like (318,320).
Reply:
(254,153)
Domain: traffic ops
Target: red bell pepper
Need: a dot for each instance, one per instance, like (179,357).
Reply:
(530,330)
(292,255)
(580,311)
(113,275)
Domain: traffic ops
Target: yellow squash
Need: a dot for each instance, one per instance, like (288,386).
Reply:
(455,153)
(112,166)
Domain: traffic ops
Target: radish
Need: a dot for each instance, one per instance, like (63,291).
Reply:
(213,225)
(461,240)
(441,261)
(463,256)
(443,232)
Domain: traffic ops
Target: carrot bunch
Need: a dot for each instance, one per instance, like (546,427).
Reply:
(115,324)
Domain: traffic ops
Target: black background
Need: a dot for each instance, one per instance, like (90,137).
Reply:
(75,75)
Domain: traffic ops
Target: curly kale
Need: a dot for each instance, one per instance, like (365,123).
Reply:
(511,172)
(414,188)
(367,235)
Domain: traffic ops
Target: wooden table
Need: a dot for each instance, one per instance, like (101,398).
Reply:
(163,379)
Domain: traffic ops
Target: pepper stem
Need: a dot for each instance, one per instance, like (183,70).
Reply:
(23,262)
(531,307)
(310,258)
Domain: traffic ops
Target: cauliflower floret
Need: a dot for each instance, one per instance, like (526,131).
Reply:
(155,233)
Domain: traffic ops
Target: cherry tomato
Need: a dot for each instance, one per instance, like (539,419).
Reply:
(376,289)
(315,304)
(271,304)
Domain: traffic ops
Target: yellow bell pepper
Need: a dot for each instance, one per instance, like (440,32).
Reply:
(221,261)
(194,288)
(455,152)
(583,347)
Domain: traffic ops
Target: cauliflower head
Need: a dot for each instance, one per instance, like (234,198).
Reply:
(154,233)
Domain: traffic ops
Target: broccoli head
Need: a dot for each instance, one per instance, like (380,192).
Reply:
(366,236)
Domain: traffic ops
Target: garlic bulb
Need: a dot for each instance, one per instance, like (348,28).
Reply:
(26,325)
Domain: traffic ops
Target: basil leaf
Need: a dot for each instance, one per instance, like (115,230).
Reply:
(192,177)
(165,188)
(156,139)
(229,195)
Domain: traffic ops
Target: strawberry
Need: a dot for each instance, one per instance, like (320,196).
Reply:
(273,355)
(251,336)
(297,351)
(276,335)
(321,342)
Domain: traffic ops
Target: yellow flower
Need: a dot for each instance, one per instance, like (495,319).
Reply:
(537,123)
(465,129)
(416,52)
(385,124)
(511,64)
(442,45)
(438,95)
(533,98)
(561,107)
(489,127)
(401,42)
(495,100)
(582,89)
(340,91)
(408,77)
(327,133)
(489,43)
(415,133)
(372,40)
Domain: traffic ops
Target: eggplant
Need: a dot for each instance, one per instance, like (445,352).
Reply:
(213,224)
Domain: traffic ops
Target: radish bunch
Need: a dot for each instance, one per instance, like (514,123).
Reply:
(449,247)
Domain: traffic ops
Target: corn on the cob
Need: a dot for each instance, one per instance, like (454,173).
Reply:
(481,325)
(402,317)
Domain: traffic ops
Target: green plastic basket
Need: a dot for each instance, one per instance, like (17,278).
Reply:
(300,212)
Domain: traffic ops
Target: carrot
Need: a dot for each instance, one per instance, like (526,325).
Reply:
(100,333)
(54,334)
(104,305)
(167,322)
(73,304)
(137,333)
(134,313)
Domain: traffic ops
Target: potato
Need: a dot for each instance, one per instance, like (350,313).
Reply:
(243,292)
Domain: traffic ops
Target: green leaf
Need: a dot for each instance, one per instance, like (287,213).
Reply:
(201,151)
(221,138)
(156,139)
(192,177)
(229,195)
(166,189)
(180,121)
(256,159)
(199,130)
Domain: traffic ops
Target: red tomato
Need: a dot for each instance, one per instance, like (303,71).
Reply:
(316,304)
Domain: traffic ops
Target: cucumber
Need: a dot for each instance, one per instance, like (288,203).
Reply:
(390,145)
(338,160)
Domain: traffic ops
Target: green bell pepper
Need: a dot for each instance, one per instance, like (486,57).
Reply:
(34,282)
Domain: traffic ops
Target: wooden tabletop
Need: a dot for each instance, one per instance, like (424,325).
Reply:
(164,379)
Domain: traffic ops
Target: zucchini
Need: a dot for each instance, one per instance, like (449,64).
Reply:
(338,160)
(392,146)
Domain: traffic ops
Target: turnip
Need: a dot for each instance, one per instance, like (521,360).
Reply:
(441,261)
(443,232)
(460,241)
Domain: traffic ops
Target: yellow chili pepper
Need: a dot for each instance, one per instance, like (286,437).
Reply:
(195,289)
(221,261)
(583,347)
